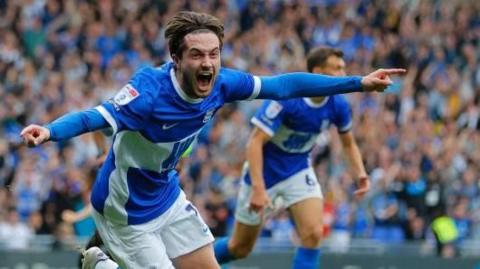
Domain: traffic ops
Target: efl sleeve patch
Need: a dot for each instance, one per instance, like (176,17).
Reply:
(273,110)
(127,94)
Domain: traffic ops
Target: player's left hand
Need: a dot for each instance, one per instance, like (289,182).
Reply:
(379,80)
(363,187)
(34,135)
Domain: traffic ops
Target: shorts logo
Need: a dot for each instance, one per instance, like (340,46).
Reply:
(273,109)
(190,207)
(309,181)
(126,95)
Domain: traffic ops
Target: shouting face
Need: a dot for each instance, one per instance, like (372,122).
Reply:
(199,63)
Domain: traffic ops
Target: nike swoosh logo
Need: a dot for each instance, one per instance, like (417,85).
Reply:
(168,126)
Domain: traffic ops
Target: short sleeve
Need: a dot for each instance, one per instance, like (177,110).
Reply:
(132,106)
(343,114)
(239,85)
(269,117)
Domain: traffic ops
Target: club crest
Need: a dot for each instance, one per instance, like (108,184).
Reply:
(208,115)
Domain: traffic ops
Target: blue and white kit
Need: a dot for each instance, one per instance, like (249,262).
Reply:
(154,122)
(294,126)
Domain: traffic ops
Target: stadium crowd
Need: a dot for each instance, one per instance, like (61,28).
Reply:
(420,140)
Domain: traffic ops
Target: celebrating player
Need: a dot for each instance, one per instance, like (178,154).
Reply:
(279,165)
(139,209)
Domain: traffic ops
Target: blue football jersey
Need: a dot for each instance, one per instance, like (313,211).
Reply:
(294,126)
(154,122)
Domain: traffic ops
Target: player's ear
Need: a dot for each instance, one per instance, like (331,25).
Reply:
(175,59)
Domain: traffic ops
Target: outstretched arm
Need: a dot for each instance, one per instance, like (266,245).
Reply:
(294,85)
(65,127)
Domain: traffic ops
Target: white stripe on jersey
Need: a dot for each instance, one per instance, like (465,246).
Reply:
(131,149)
(108,117)
(257,85)
(346,127)
(114,208)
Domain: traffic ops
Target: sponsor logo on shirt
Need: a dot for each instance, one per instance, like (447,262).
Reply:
(127,94)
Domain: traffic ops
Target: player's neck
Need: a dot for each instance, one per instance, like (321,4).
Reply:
(179,85)
(317,100)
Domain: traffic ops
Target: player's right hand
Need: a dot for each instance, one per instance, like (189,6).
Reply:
(259,200)
(34,135)
(379,80)
(363,187)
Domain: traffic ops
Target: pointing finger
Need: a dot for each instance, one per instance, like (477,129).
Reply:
(394,71)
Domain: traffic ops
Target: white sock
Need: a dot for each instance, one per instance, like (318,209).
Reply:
(107,264)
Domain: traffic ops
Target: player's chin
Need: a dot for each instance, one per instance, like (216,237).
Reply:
(202,91)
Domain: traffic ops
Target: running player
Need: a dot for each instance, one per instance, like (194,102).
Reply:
(279,166)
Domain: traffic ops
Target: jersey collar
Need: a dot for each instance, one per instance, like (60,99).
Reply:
(310,103)
(181,92)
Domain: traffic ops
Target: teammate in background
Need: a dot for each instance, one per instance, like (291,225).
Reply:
(140,210)
(279,166)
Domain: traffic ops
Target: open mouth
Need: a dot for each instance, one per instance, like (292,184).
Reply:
(204,79)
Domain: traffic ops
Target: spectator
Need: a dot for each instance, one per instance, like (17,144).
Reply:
(14,234)
(387,214)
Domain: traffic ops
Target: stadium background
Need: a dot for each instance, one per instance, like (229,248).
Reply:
(420,141)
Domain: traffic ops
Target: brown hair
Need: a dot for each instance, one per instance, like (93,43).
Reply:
(186,22)
(319,56)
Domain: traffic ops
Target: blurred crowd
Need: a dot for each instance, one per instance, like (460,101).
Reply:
(420,141)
